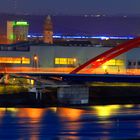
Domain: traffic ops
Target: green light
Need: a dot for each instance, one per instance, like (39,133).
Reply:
(12,37)
(21,23)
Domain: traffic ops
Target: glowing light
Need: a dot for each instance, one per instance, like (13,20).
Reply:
(98,60)
(65,61)
(71,114)
(35,57)
(104,38)
(128,106)
(114,62)
(12,109)
(32,82)
(12,37)
(94,37)
(21,23)
(106,111)
(74,59)
(25,60)
(32,113)
(14,60)
(104,67)
(82,37)
(9,109)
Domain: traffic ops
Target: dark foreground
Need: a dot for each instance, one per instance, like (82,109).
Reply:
(98,95)
(114,122)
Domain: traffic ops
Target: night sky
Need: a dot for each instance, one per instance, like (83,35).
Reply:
(70,7)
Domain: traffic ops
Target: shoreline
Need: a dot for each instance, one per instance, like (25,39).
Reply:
(98,95)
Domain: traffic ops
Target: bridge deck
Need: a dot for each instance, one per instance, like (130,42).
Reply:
(128,76)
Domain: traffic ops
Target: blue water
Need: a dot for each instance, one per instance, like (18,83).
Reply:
(90,123)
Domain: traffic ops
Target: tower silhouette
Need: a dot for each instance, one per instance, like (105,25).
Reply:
(48,30)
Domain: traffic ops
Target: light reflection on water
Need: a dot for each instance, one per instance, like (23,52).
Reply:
(96,122)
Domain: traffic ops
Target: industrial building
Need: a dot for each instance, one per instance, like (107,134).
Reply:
(62,57)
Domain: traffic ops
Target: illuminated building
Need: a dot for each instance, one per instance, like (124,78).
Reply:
(48,31)
(56,56)
(65,57)
(17,31)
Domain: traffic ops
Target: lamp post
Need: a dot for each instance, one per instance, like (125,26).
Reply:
(75,62)
(105,69)
(35,61)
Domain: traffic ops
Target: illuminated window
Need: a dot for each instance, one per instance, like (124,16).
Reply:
(65,61)
(25,60)
(114,62)
(15,60)
(120,62)
(56,60)
(110,62)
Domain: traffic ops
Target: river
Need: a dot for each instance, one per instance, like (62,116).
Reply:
(88,123)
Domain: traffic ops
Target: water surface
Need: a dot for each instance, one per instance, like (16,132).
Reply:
(90,123)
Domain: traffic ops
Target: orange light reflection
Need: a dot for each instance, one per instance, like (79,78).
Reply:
(31,113)
(69,113)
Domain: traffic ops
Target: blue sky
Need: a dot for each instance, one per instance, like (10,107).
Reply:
(71,6)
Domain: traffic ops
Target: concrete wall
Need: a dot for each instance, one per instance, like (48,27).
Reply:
(47,54)
(133,57)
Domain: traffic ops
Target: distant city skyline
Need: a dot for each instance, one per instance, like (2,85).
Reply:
(71,7)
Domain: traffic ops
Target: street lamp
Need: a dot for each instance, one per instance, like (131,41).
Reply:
(35,61)
(75,61)
(105,69)
(22,60)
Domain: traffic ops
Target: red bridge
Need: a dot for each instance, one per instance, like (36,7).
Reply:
(108,55)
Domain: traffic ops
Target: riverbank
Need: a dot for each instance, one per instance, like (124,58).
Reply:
(96,95)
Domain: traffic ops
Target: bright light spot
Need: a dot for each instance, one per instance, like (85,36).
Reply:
(74,59)
(12,109)
(21,23)
(104,67)
(97,15)
(104,38)
(82,36)
(106,111)
(32,82)
(128,106)
(35,57)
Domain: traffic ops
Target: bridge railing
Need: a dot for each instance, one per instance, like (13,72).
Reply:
(67,70)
